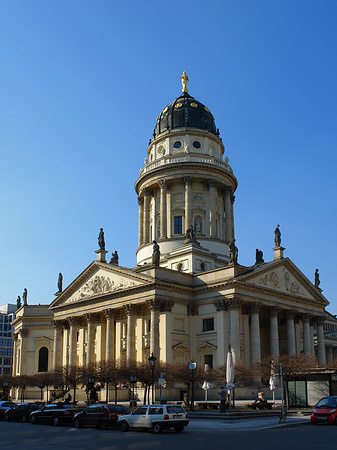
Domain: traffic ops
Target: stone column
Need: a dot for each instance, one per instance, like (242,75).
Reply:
(192,312)
(306,334)
(255,333)
(312,341)
(274,336)
(229,215)
(291,333)
(212,184)
(297,334)
(163,209)
(233,306)
(130,332)
(90,338)
(188,202)
(110,334)
(329,353)
(154,306)
(141,222)
(222,331)
(72,341)
(23,348)
(146,217)
(246,332)
(166,325)
(320,341)
(57,344)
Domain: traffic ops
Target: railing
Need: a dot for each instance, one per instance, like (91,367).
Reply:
(184,159)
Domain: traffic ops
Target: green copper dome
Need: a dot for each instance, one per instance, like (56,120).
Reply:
(187,112)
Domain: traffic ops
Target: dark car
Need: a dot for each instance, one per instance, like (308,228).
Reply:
(55,414)
(22,411)
(325,411)
(100,416)
(5,406)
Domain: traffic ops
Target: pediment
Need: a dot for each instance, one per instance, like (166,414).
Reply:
(180,346)
(207,346)
(99,280)
(285,277)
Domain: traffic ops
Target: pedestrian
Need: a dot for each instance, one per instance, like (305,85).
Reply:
(68,399)
(53,396)
(223,397)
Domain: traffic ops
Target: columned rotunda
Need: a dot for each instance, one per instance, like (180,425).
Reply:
(192,301)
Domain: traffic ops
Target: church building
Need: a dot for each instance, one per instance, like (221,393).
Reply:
(187,298)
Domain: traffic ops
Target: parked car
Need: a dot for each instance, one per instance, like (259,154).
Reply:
(5,406)
(325,411)
(21,411)
(99,415)
(156,417)
(55,414)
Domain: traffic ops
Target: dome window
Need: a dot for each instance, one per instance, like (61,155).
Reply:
(196,144)
(177,144)
(178,105)
(194,105)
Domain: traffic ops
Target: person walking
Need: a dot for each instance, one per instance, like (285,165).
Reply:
(223,397)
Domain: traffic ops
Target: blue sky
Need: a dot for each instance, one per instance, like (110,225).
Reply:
(82,83)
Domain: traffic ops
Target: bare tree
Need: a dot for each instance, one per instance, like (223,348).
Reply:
(71,377)
(21,382)
(43,380)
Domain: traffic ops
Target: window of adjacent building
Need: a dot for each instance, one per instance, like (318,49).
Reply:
(8,352)
(178,225)
(6,370)
(208,324)
(7,361)
(209,361)
(1,351)
(43,359)
(1,342)
(179,325)
(8,342)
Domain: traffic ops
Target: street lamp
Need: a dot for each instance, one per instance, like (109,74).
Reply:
(5,386)
(91,382)
(192,366)
(152,363)
(133,380)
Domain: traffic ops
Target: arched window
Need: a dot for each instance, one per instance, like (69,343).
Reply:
(43,359)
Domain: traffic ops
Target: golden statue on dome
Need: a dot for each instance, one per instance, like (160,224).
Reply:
(184,80)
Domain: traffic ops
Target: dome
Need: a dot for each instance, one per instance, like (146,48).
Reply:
(185,111)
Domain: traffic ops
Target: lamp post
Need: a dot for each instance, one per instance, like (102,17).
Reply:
(192,366)
(5,386)
(152,363)
(91,382)
(133,380)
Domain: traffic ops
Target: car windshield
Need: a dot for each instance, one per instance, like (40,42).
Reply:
(327,402)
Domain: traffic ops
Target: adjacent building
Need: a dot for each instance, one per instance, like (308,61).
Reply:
(7,315)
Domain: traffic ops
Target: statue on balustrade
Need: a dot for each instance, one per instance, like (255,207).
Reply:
(155,254)
(101,241)
(233,252)
(114,258)
(18,302)
(259,257)
(277,238)
(317,280)
(24,297)
(59,282)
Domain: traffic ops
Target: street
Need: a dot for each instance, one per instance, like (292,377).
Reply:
(200,434)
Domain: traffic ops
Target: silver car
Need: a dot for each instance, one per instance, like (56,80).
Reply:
(156,418)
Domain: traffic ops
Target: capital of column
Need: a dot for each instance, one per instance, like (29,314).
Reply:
(146,191)
(109,313)
(306,317)
(163,184)
(274,311)
(234,303)
(167,305)
(212,182)
(57,324)
(255,307)
(188,180)
(130,309)
(192,310)
(140,200)
(320,320)
(220,305)
(90,317)
(290,314)
(24,332)
(153,305)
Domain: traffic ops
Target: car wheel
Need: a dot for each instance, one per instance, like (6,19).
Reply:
(157,428)
(56,421)
(179,429)
(24,418)
(77,423)
(33,419)
(125,426)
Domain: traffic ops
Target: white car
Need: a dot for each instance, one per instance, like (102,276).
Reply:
(156,418)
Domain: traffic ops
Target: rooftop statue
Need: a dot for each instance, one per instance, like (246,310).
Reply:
(184,80)
(18,302)
(277,238)
(259,256)
(59,282)
(101,241)
(155,254)
(317,280)
(233,252)
(114,258)
(24,297)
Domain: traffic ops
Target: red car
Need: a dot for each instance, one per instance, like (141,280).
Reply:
(325,411)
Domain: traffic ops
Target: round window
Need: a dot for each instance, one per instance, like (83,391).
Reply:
(177,144)
(196,144)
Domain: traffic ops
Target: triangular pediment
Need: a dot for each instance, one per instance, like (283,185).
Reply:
(207,346)
(285,277)
(99,280)
(180,346)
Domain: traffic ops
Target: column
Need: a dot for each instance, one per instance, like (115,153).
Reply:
(90,338)
(320,341)
(163,209)
(229,215)
(222,331)
(297,334)
(130,332)
(65,346)
(306,334)
(192,312)
(154,306)
(291,333)
(110,334)
(57,344)
(255,333)
(141,222)
(188,201)
(246,333)
(212,185)
(146,216)
(329,353)
(72,341)
(274,336)
(166,327)
(312,340)
(233,306)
